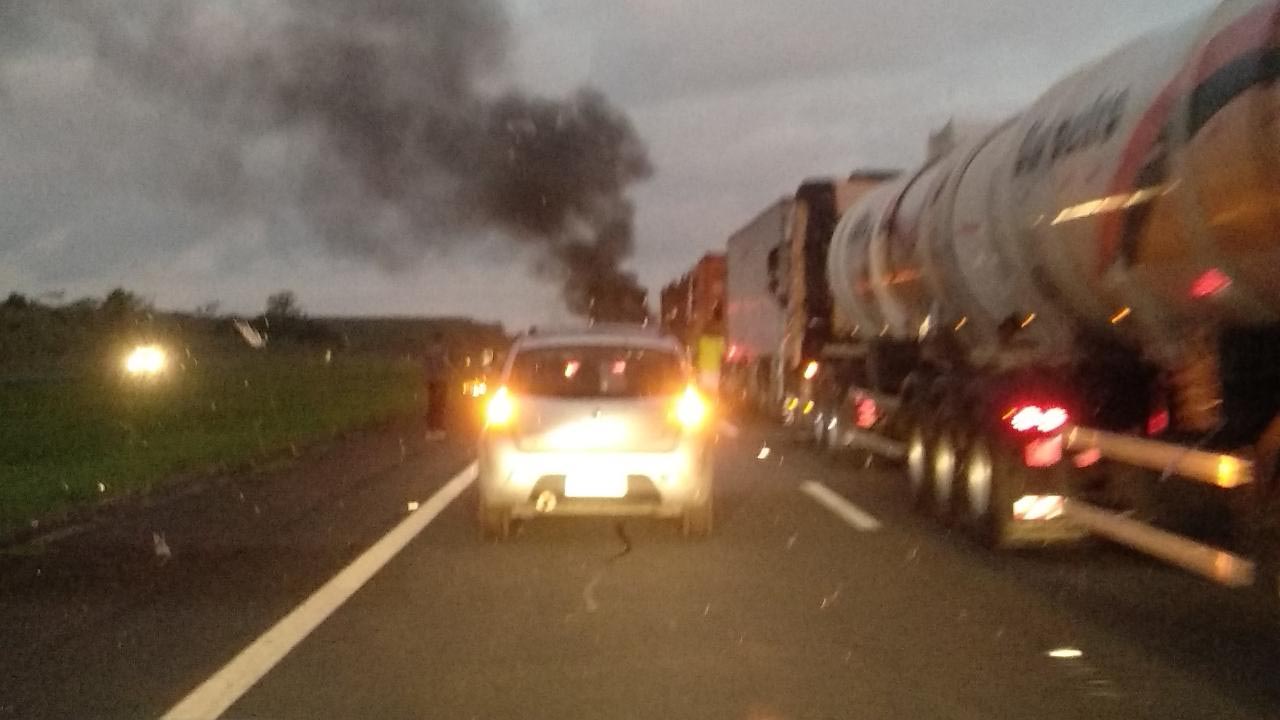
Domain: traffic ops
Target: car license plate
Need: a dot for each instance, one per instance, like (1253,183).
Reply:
(603,485)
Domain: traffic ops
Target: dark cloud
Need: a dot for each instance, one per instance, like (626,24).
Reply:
(403,151)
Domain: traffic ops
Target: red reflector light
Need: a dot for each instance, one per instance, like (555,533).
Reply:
(867,413)
(1158,422)
(1087,458)
(1211,282)
(1043,453)
(1033,417)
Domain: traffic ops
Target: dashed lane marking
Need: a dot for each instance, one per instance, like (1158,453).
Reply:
(845,510)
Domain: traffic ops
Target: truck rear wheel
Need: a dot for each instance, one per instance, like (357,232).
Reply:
(834,432)
(919,477)
(1266,529)
(943,468)
(985,486)
(820,430)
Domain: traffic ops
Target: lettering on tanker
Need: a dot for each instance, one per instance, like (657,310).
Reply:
(1046,143)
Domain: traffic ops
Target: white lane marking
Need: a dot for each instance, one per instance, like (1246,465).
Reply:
(728,429)
(846,510)
(215,695)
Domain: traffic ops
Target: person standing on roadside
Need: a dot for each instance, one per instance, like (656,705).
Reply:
(436,371)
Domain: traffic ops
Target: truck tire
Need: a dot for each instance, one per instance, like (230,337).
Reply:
(494,521)
(1266,532)
(944,470)
(819,429)
(985,492)
(918,455)
(831,436)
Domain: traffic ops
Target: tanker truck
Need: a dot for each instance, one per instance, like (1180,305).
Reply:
(1071,325)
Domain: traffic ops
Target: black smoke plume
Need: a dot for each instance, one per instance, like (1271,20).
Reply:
(409,152)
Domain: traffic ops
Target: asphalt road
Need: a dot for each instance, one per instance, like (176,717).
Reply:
(791,610)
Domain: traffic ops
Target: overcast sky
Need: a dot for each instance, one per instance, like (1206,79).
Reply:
(738,101)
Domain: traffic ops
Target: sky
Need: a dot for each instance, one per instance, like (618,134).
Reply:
(103,185)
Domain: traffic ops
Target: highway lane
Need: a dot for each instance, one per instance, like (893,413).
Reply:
(96,625)
(819,596)
(797,608)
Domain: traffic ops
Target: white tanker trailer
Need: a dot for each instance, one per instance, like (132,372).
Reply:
(1072,325)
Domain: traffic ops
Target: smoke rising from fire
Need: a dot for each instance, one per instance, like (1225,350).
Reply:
(406,148)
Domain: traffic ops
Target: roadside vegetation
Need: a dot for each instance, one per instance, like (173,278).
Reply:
(76,428)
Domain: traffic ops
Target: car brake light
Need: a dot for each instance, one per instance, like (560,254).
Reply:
(1027,418)
(691,410)
(500,410)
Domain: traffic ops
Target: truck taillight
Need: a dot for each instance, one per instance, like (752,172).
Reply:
(1033,418)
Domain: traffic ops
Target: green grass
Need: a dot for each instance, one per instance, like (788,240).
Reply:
(68,443)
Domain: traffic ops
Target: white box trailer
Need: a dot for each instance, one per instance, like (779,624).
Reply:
(755,311)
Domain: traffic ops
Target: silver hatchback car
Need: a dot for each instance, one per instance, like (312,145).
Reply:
(605,421)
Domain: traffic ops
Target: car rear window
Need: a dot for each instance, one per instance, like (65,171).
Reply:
(592,372)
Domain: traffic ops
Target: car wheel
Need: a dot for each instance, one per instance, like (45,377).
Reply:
(697,520)
(494,521)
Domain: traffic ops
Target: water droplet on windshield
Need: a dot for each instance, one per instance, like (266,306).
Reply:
(161,547)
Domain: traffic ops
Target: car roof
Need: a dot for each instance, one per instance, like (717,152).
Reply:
(601,334)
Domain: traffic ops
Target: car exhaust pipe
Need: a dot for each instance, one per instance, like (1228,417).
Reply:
(545,503)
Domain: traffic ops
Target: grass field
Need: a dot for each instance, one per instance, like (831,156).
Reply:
(71,442)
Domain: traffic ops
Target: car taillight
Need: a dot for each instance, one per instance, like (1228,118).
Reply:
(500,410)
(1031,418)
(691,409)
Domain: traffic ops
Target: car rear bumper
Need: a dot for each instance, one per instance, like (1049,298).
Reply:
(532,483)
